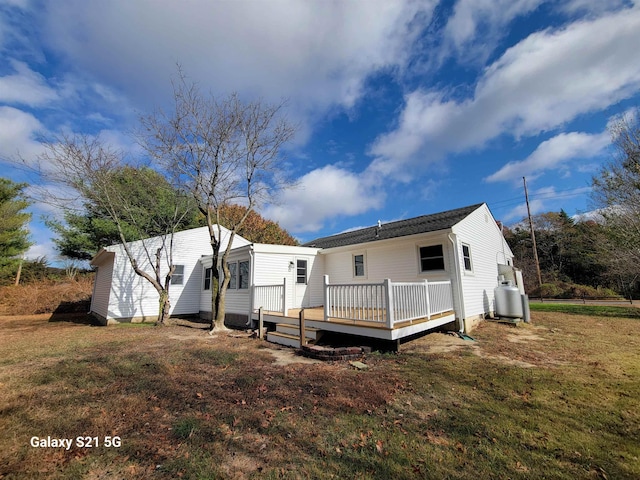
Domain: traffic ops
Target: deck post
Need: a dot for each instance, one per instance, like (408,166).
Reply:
(303,335)
(252,301)
(260,324)
(327,305)
(285,310)
(426,291)
(389,301)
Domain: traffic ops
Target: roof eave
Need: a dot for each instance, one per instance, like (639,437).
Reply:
(385,241)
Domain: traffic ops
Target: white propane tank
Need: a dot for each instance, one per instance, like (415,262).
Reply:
(508,301)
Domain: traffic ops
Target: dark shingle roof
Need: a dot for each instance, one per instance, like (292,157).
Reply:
(401,228)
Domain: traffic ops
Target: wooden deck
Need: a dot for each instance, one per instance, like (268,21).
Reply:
(314,318)
(317,314)
(386,310)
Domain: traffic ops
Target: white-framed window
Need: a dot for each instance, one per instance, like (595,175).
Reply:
(178,275)
(243,275)
(359,265)
(233,275)
(466,256)
(301,272)
(431,258)
(207,278)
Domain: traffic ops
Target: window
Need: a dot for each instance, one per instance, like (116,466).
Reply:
(243,275)
(178,275)
(301,272)
(207,278)
(358,265)
(466,255)
(233,275)
(431,258)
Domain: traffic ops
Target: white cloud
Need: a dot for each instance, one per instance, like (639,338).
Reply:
(554,154)
(590,6)
(536,205)
(487,19)
(25,87)
(547,79)
(520,212)
(543,199)
(40,250)
(322,194)
(316,53)
(16,3)
(18,130)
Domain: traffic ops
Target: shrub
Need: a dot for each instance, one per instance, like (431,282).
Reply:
(572,290)
(47,296)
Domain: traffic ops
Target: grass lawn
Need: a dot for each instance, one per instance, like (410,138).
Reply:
(559,398)
(591,310)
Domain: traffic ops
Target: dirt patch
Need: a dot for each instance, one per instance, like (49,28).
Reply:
(437,343)
(503,359)
(289,357)
(523,337)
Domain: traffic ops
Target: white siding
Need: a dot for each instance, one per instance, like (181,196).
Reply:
(396,259)
(236,300)
(102,286)
(272,267)
(134,297)
(488,248)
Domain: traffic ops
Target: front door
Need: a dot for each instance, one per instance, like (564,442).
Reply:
(301,277)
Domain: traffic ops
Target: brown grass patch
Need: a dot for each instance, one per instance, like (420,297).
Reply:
(188,405)
(47,296)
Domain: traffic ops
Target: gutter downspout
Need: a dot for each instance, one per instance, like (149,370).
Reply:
(251,285)
(456,256)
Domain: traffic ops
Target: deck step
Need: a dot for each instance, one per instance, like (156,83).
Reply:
(284,339)
(310,333)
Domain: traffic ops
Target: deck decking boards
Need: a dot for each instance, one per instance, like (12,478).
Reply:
(316,314)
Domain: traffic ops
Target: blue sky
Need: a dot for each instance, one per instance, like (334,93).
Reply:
(404,107)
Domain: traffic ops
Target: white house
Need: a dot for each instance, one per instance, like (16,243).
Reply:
(121,295)
(388,281)
(274,268)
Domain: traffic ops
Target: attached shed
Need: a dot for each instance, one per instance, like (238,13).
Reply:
(119,294)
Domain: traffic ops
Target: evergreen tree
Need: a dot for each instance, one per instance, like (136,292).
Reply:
(81,235)
(14,236)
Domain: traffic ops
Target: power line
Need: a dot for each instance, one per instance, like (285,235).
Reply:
(541,196)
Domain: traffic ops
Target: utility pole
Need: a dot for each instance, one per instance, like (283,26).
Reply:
(533,234)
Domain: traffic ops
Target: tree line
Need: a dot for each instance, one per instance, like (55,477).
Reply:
(599,254)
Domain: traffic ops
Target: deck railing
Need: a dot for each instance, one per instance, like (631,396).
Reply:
(386,303)
(410,300)
(363,302)
(271,298)
(440,297)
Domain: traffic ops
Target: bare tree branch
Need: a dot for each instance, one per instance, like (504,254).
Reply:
(223,151)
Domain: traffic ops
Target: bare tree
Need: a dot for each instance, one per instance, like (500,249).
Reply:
(616,192)
(224,151)
(85,171)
